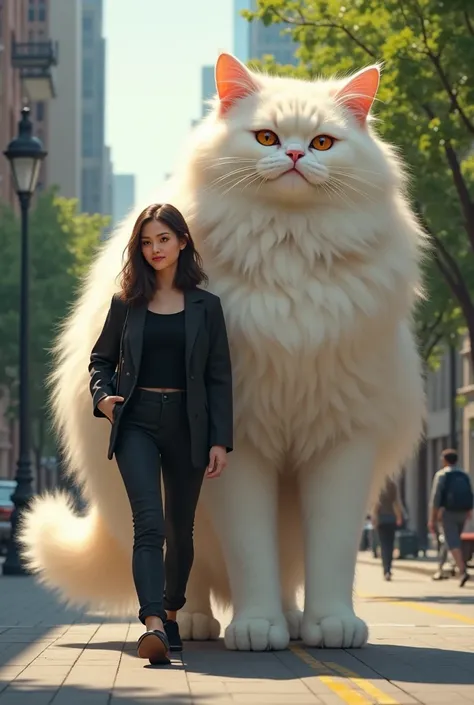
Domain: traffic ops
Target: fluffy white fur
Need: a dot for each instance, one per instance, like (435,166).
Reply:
(317,278)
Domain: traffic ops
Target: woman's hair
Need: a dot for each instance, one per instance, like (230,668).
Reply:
(138,278)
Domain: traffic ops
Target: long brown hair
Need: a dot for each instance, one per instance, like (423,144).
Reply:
(138,278)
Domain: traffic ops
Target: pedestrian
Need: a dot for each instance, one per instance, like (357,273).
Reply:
(161,374)
(386,517)
(451,505)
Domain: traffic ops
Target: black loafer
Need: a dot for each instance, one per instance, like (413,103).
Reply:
(174,637)
(154,646)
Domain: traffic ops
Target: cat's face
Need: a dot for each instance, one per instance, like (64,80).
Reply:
(294,142)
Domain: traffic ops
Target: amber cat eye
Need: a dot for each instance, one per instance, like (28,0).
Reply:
(267,138)
(322,143)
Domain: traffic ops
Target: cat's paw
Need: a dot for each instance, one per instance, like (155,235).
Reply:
(250,633)
(196,626)
(294,620)
(335,630)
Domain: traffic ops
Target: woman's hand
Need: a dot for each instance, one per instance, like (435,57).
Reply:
(217,462)
(106,406)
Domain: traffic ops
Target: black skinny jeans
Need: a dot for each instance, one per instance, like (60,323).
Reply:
(154,435)
(386,533)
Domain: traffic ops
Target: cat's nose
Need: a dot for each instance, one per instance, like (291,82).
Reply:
(295,154)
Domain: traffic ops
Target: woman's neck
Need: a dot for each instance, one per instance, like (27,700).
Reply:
(165,280)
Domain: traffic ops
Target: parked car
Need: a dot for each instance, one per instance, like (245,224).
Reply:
(7,488)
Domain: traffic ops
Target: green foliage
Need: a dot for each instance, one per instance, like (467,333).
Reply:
(62,242)
(425,107)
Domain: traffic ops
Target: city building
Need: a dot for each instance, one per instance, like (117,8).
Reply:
(95,157)
(56,112)
(123,196)
(241,30)
(12,28)
(208,87)
(444,428)
(253,40)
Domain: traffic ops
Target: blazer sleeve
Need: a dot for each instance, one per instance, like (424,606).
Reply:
(219,382)
(105,355)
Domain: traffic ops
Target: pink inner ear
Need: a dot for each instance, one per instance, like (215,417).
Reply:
(233,81)
(359,94)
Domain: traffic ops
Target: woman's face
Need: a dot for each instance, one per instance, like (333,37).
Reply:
(160,245)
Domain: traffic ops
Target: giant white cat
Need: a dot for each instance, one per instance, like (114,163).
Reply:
(300,213)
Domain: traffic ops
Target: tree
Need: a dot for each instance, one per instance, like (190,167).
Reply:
(425,106)
(62,242)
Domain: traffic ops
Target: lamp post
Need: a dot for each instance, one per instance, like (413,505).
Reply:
(25,154)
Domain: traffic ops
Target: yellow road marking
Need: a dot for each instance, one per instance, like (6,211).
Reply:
(378,695)
(349,695)
(436,611)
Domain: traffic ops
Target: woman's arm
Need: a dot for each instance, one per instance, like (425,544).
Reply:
(105,356)
(218,378)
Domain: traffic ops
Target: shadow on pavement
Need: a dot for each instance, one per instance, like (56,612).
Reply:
(413,664)
(32,692)
(387,661)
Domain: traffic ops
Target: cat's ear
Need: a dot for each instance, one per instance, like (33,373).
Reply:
(233,81)
(359,92)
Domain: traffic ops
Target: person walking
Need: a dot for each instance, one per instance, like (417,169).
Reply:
(160,372)
(386,517)
(451,505)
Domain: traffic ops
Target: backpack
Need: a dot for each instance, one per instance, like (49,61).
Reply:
(457,492)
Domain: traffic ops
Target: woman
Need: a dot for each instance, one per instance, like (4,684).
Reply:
(161,373)
(386,517)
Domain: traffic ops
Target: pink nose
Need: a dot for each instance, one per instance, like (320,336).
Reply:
(295,154)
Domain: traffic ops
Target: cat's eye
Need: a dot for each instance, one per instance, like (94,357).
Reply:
(322,143)
(267,138)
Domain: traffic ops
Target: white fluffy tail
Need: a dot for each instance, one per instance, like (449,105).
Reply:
(77,556)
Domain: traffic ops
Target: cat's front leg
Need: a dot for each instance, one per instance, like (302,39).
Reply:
(243,508)
(334,495)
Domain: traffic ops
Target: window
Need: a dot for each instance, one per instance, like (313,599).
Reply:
(87,27)
(87,78)
(42,11)
(40,111)
(87,135)
(31,14)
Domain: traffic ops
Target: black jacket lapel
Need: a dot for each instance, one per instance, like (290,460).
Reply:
(193,313)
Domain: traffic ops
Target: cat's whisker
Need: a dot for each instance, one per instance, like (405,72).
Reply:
(350,170)
(355,177)
(257,177)
(344,186)
(224,161)
(244,178)
(230,174)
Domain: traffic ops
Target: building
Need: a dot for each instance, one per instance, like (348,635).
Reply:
(95,198)
(56,113)
(208,87)
(254,40)
(108,184)
(12,28)
(444,428)
(123,196)
(64,133)
(241,30)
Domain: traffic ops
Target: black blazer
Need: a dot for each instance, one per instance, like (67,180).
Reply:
(208,369)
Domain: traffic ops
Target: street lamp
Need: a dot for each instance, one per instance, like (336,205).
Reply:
(25,154)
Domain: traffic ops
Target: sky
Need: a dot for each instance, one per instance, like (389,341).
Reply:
(154,53)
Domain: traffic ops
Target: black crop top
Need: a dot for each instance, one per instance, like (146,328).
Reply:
(163,355)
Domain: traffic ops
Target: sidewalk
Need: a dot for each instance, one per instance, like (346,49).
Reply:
(424,566)
(52,655)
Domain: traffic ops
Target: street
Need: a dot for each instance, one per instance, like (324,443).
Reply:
(421,650)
